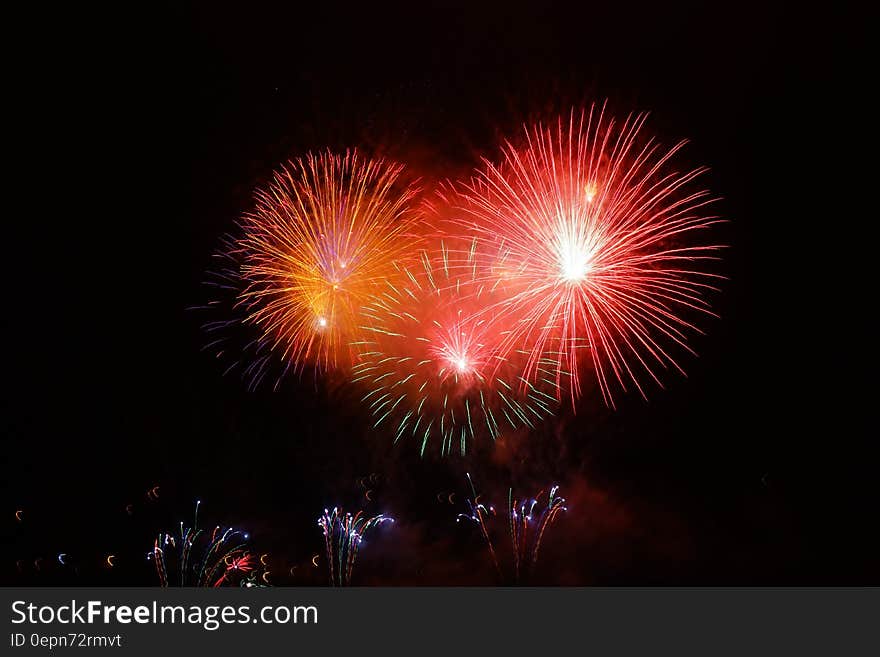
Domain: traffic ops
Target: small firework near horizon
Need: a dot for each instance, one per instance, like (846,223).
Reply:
(193,557)
(343,535)
(529,519)
(479,514)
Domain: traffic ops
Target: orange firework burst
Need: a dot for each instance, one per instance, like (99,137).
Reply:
(603,240)
(323,235)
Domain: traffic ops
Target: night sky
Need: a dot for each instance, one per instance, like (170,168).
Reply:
(144,136)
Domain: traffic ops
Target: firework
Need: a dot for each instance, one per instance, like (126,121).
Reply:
(430,362)
(478,513)
(194,557)
(323,235)
(343,535)
(233,341)
(528,521)
(606,246)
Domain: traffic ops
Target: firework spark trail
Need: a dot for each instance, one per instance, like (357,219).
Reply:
(230,338)
(343,534)
(429,359)
(521,513)
(236,565)
(478,513)
(323,234)
(224,558)
(528,521)
(607,247)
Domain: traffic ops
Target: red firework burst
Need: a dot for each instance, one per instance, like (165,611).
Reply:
(603,243)
(428,357)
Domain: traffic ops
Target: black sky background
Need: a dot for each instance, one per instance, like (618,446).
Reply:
(139,139)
